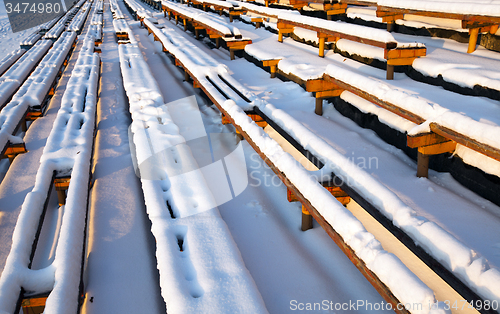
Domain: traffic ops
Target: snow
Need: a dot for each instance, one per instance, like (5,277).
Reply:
(117,13)
(388,118)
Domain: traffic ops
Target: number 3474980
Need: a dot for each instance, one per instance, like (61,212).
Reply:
(39,8)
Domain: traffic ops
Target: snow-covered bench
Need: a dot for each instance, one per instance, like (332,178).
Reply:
(29,41)
(440,127)
(57,29)
(395,52)
(477,17)
(123,32)
(67,152)
(29,101)
(115,9)
(214,26)
(17,73)
(197,233)
(9,59)
(76,24)
(220,6)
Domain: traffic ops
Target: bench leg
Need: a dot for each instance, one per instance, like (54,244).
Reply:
(186,76)
(390,72)
(217,42)
(322,47)
(474,33)
(61,197)
(390,26)
(307,220)
(319,107)
(422,165)
(273,71)
(231,52)
(197,33)
(230,18)
(280,36)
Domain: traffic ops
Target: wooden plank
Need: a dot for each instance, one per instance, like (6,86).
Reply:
(331,33)
(424,139)
(386,105)
(329,93)
(320,85)
(454,16)
(271,62)
(436,149)
(405,53)
(464,140)
(401,61)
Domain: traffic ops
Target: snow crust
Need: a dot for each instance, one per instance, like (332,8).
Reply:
(76,23)
(68,150)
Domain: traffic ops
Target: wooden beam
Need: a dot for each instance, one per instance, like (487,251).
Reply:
(436,149)
(384,104)
(425,139)
(466,141)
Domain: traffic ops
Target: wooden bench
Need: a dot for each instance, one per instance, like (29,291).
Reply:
(394,52)
(219,6)
(440,139)
(475,23)
(204,21)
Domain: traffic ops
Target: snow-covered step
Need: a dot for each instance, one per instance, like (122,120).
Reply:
(68,153)
(12,79)
(32,94)
(199,264)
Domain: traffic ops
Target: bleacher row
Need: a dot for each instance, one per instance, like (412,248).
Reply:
(65,166)
(30,82)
